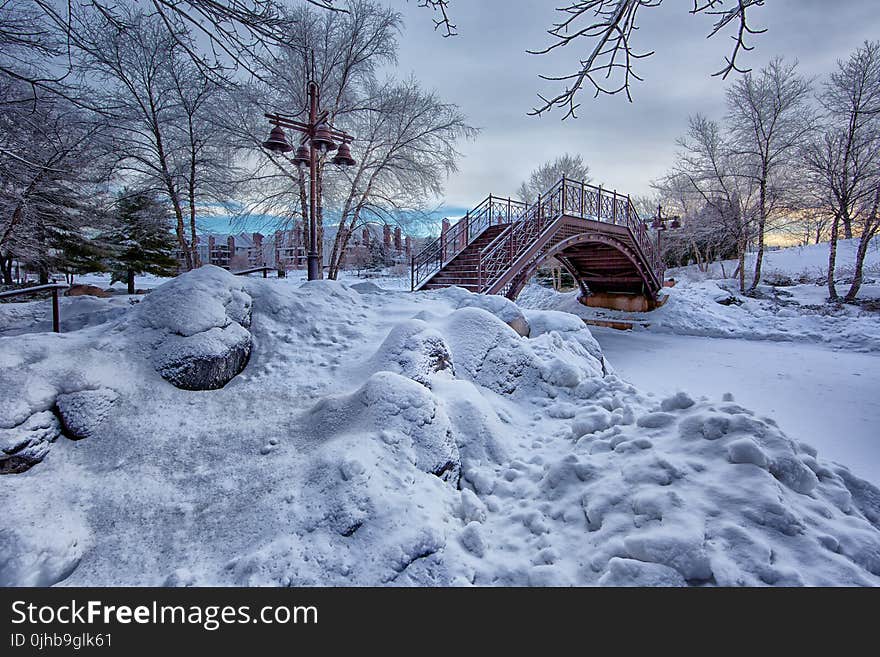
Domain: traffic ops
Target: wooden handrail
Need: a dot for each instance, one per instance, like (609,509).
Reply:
(254,270)
(51,287)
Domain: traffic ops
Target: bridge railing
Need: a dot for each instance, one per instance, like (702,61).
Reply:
(572,198)
(439,252)
(526,223)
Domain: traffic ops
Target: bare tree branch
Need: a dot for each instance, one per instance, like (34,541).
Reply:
(608,68)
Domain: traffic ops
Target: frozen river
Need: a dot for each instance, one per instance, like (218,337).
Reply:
(829,399)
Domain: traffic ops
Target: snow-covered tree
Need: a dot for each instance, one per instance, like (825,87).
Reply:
(140,241)
(548,174)
(53,167)
(844,161)
(769,118)
(707,175)
(404,135)
(163,110)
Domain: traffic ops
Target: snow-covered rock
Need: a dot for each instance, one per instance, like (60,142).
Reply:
(83,411)
(26,444)
(202,319)
(504,309)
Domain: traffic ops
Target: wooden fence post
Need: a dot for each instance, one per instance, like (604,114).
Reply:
(56,320)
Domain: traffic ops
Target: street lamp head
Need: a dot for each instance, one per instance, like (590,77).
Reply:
(277,142)
(302,156)
(323,139)
(343,156)
(658,224)
(676,223)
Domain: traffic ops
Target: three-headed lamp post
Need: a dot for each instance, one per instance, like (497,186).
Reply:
(659,225)
(318,136)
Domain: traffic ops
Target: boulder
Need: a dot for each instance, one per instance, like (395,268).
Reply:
(201,320)
(25,445)
(206,360)
(83,411)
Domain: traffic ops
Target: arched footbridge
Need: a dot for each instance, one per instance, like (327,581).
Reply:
(595,234)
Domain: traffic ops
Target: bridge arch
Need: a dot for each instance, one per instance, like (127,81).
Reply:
(560,250)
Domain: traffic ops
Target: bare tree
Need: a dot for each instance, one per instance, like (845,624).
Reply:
(549,173)
(708,167)
(163,110)
(844,161)
(769,118)
(406,144)
(53,168)
(342,53)
(609,26)
(404,135)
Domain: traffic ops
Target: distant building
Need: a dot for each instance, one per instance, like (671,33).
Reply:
(285,249)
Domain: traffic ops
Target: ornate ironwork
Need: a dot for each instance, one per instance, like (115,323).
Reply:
(527,225)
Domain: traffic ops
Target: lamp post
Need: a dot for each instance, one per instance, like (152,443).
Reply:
(659,224)
(318,136)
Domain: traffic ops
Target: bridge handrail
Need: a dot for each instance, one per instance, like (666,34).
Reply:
(566,197)
(439,252)
(54,288)
(526,224)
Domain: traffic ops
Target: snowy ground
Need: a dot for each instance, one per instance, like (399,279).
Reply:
(379,437)
(826,398)
(790,313)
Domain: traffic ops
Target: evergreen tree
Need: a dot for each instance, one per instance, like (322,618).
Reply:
(141,239)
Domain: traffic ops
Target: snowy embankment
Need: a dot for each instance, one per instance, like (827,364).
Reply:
(702,306)
(378,437)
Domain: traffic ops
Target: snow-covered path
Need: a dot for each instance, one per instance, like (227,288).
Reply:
(823,397)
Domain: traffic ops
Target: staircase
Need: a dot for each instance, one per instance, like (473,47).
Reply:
(596,234)
(464,269)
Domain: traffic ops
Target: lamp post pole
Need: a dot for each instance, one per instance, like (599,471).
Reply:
(320,137)
(314,266)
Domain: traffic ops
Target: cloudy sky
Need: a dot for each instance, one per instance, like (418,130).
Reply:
(486,71)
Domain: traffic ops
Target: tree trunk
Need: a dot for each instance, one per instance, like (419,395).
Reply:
(44,275)
(762,222)
(340,258)
(872,222)
(130,281)
(832,258)
(6,266)
(847,228)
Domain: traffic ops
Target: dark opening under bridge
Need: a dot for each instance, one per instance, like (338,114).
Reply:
(595,234)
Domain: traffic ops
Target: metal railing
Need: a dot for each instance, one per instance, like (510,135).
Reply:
(526,224)
(254,270)
(566,198)
(51,287)
(438,253)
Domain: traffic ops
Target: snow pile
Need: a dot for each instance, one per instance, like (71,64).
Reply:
(384,438)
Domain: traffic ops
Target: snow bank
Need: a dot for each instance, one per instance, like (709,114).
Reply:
(716,309)
(396,439)
(708,305)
